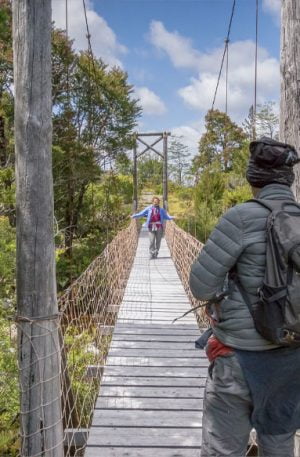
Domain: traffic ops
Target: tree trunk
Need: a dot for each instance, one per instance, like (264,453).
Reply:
(290,80)
(39,349)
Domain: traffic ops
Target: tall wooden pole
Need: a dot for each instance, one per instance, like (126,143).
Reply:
(290,81)
(39,352)
(165,170)
(135,184)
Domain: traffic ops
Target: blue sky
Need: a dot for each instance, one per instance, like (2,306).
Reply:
(171,50)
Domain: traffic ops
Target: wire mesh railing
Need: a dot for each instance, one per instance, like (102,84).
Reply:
(83,327)
(184,249)
(88,311)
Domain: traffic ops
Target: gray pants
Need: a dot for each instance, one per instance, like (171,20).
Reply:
(226,416)
(155,240)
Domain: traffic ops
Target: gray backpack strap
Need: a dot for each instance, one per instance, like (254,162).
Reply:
(271,205)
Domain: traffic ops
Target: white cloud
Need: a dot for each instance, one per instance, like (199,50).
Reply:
(198,94)
(274,8)
(103,39)
(151,103)
(190,135)
(177,47)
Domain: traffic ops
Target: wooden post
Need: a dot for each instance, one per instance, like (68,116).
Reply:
(135,185)
(290,82)
(165,170)
(39,349)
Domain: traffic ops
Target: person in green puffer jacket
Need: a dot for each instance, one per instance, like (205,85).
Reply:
(239,242)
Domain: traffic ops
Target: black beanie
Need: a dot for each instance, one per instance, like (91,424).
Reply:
(271,162)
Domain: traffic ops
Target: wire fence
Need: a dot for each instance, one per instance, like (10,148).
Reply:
(77,339)
(184,249)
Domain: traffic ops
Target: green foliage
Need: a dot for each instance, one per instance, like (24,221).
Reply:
(211,186)
(6,57)
(7,259)
(9,388)
(80,348)
(220,141)
(150,171)
(237,195)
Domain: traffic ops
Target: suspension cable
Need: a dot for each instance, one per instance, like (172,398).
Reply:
(226,84)
(224,53)
(255,73)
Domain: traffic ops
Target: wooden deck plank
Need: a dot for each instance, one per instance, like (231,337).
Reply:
(171,346)
(180,404)
(145,330)
(164,338)
(156,362)
(141,452)
(152,392)
(154,352)
(179,437)
(151,397)
(133,418)
(189,372)
(157,381)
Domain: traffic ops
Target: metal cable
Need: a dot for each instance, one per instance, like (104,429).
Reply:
(255,73)
(224,53)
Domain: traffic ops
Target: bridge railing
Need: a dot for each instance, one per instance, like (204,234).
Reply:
(88,311)
(184,249)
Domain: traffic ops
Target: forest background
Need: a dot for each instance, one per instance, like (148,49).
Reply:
(95,116)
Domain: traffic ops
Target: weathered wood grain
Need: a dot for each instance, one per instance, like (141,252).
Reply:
(156,381)
(152,392)
(134,418)
(177,437)
(290,81)
(141,452)
(39,354)
(189,372)
(151,397)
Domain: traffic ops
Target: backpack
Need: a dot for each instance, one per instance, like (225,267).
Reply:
(276,313)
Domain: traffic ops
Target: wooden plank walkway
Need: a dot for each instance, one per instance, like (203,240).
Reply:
(151,396)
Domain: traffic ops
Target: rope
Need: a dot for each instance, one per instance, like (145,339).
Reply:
(184,250)
(67,36)
(255,73)
(36,318)
(224,53)
(86,309)
(226,85)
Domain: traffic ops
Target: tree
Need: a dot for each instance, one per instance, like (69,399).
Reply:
(150,171)
(248,124)
(267,122)
(94,117)
(290,82)
(220,141)
(37,310)
(7,189)
(179,159)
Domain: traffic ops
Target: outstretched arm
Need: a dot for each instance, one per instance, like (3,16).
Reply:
(167,216)
(142,213)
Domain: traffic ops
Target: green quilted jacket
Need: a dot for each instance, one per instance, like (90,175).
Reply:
(239,241)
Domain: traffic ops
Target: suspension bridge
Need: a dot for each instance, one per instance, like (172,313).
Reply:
(133,381)
(107,372)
